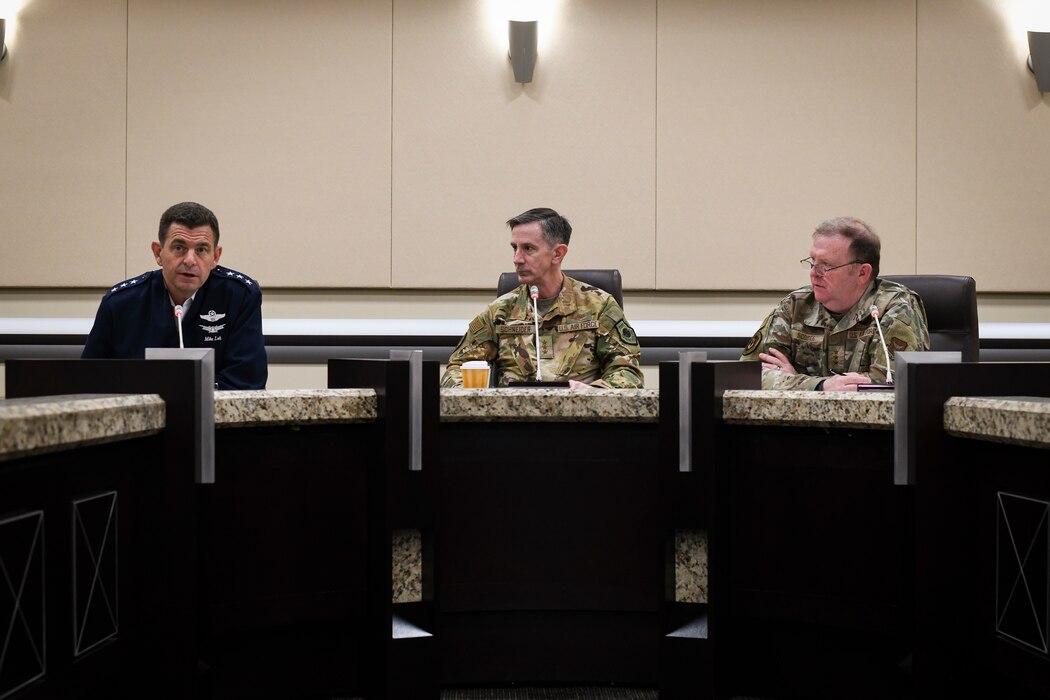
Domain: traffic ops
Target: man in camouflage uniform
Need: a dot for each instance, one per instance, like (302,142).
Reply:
(823,336)
(584,337)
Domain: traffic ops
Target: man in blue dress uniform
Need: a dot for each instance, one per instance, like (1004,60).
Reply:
(220,308)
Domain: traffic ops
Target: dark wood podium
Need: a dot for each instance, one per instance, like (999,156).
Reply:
(554,554)
(152,487)
(400,653)
(275,580)
(692,634)
(982,542)
(809,570)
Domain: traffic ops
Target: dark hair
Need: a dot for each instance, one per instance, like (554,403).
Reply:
(864,244)
(556,228)
(190,215)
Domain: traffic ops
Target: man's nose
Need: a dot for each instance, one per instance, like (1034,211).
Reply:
(190,258)
(519,257)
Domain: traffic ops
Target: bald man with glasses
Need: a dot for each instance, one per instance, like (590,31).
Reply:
(823,337)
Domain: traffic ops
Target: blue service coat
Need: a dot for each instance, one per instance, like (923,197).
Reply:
(226,315)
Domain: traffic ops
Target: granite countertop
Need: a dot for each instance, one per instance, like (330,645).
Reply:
(294,407)
(53,423)
(1016,420)
(833,409)
(550,405)
(85,419)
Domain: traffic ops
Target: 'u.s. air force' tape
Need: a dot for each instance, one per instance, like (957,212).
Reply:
(578,326)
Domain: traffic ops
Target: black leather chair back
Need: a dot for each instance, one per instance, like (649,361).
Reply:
(606,280)
(951,311)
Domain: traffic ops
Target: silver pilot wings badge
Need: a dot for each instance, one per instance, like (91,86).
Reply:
(212,317)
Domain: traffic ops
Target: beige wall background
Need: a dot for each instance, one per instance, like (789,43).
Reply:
(380,144)
(362,156)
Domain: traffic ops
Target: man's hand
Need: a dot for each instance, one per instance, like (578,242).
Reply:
(845,382)
(774,359)
(573,384)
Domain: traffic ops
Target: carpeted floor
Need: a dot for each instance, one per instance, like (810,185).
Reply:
(575,693)
(544,693)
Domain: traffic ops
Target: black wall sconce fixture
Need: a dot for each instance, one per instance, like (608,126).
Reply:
(523,41)
(1039,59)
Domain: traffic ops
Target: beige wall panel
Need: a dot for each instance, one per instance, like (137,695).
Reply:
(473,148)
(984,147)
(62,98)
(277,116)
(773,116)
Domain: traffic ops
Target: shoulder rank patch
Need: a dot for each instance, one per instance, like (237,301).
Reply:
(626,332)
(129,284)
(753,343)
(234,275)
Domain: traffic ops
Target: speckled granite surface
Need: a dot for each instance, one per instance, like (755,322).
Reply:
(407,568)
(837,409)
(690,565)
(294,406)
(52,423)
(551,404)
(1017,420)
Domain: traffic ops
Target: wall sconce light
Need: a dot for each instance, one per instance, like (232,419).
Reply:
(1039,59)
(523,40)
(3,46)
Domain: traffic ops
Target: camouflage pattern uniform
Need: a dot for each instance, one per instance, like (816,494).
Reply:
(584,336)
(818,344)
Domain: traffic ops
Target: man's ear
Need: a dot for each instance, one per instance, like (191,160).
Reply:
(156,251)
(865,271)
(560,251)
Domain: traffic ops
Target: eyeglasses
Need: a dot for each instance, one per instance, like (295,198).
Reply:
(821,269)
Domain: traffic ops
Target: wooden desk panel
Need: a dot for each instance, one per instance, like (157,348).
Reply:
(1005,587)
(549,557)
(283,560)
(811,564)
(73,631)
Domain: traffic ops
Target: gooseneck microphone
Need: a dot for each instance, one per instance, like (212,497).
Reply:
(534,292)
(178,322)
(875,315)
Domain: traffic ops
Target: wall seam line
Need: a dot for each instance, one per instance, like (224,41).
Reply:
(915,243)
(127,120)
(656,144)
(390,283)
